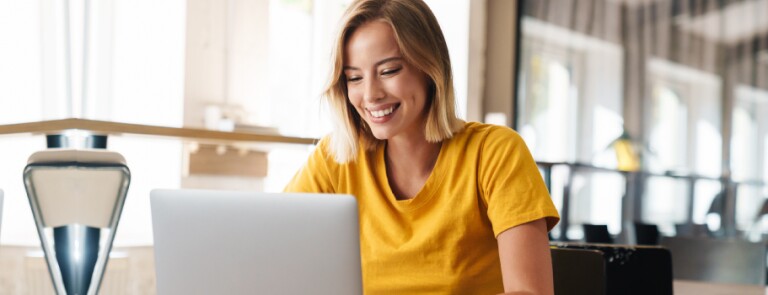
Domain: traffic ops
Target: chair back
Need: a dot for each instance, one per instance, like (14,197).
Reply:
(597,234)
(578,271)
(646,234)
(632,269)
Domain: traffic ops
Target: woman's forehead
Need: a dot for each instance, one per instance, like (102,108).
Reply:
(371,42)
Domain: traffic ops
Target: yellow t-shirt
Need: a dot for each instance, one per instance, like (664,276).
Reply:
(443,241)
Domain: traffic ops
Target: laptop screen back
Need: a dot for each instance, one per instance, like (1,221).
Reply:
(217,242)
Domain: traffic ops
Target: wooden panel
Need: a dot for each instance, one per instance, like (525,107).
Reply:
(223,161)
(500,72)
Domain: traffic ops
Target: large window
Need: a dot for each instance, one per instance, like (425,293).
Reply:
(571,113)
(749,150)
(684,138)
(659,75)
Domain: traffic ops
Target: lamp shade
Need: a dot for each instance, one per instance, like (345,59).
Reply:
(626,155)
(76,198)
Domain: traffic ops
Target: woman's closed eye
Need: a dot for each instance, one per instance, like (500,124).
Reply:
(354,78)
(389,72)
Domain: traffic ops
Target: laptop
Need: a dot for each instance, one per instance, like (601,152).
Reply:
(224,242)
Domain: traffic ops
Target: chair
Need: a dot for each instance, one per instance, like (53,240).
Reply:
(632,269)
(597,234)
(719,261)
(646,234)
(76,198)
(578,271)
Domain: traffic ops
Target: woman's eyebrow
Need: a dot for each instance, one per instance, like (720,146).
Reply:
(378,63)
(386,60)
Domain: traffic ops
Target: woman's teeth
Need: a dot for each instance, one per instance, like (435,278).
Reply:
(382,113)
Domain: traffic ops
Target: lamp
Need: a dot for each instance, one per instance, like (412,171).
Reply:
(76,198)
(626,155)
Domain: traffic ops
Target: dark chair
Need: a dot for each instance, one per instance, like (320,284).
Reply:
(646,234)
(597,234)
(578,271)
(629,269)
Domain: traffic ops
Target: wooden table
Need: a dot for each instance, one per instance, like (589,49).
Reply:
(114,128)
(683,287)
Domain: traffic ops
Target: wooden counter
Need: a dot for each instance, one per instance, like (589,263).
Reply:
(114,128)
(684,287)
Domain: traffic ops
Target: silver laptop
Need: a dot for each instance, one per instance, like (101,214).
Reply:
(223,242)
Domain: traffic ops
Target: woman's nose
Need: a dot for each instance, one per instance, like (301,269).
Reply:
(373,90)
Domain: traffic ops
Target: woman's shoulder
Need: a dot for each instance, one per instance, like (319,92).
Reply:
(489,133)
(324,149)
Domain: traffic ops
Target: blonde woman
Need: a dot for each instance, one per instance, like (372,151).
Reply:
(446,206)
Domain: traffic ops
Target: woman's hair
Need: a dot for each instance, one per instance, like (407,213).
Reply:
(422,45)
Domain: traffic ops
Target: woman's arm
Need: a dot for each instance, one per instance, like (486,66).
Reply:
(526,263)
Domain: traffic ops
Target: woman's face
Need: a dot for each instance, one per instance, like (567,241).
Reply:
(387,92)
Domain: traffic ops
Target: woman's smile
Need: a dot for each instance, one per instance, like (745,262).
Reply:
(382,114)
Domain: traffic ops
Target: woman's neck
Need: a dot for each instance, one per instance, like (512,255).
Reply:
(412,155)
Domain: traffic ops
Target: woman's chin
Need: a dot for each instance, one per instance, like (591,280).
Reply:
(380,134)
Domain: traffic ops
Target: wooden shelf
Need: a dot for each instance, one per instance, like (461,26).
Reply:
(115,128)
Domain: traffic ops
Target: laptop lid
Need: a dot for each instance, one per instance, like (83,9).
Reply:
(223,242)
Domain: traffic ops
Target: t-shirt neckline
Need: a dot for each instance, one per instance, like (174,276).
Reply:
(426,192)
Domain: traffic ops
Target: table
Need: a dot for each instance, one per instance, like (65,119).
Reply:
(684,287)
(115,128)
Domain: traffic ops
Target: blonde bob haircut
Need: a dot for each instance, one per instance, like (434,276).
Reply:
(422,45)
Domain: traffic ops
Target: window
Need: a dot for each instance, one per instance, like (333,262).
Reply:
(684,138)
(570,110)
(749,147)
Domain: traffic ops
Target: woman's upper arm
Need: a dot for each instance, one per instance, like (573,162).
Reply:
(526,262)
(510,183)
(314,176)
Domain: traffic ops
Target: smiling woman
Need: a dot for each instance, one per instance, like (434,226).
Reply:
(445,206)
(383,48)
(387,90)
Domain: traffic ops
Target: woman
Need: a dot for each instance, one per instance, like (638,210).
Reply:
(445,206)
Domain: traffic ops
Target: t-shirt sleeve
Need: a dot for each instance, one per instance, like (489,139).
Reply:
(314,176)
(510,183)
